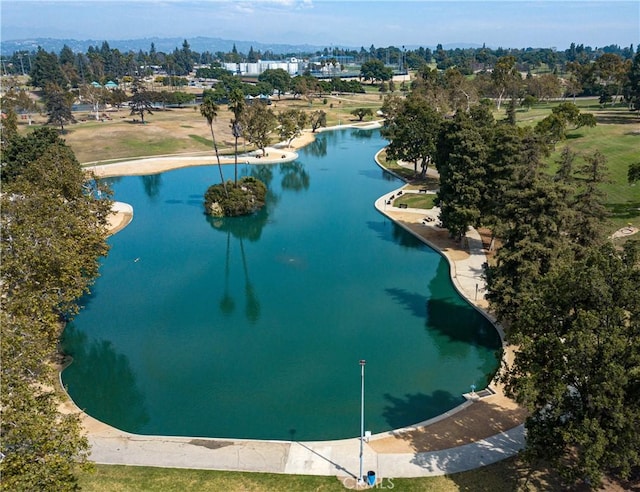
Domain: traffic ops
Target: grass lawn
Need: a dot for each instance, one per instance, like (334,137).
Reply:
(413,200)
(504,476)
(617,137)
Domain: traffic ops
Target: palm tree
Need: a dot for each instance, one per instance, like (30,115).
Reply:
(209,110)
(236,105)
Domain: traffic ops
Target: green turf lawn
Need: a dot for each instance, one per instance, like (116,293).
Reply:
(500,477)
(617,137)
(413,200)
(505,476)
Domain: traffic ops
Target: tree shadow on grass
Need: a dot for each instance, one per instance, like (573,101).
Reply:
(515,474)
(508,475)
(616,118)
(629,210)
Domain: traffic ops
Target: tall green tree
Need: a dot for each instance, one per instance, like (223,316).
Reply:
(375,70)
(554,127)
(237,106)
(587,201)
(631,89)
(361,113)
(279,79)
(576,368)
(413,132)
(611,71)
(291,123)
(209,110)
(141,100)
(258,122)
(58,103)
(506,78)
(461,162)
(317,119)
(53,219)
(45,69)
(527,211)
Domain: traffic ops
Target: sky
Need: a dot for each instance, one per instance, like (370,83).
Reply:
(351,23)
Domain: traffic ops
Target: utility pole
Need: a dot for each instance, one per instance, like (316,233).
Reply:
(362,364)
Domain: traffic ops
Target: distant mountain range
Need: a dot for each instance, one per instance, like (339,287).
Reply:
(167,45)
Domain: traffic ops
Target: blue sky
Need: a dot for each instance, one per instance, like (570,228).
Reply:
(356,23)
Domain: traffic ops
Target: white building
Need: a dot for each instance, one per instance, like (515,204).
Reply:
(291,66)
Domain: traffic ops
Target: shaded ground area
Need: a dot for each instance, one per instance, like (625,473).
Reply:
(483,419)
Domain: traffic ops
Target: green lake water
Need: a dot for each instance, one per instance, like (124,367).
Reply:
(253,327)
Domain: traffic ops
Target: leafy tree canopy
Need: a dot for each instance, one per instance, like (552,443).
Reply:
(53,221)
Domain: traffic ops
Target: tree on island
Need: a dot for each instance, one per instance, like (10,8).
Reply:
(209,109)
(236,105)
(246,196)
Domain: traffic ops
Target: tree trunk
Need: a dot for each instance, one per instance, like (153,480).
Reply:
(215,147)
(500,98)
(235,163)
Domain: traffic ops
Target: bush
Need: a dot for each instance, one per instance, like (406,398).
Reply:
(244,198)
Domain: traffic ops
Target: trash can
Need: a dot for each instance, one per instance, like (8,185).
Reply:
(371,478)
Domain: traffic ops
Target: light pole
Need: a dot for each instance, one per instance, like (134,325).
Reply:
(362,364)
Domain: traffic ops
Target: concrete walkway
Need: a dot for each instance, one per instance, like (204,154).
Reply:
(338,458)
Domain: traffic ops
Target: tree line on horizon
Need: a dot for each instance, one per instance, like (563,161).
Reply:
(101,63)
(608,77)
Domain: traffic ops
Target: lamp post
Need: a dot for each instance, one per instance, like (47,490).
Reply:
(362,364)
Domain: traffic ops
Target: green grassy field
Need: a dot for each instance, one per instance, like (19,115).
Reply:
(617,137)
(413,200)
(506,476)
